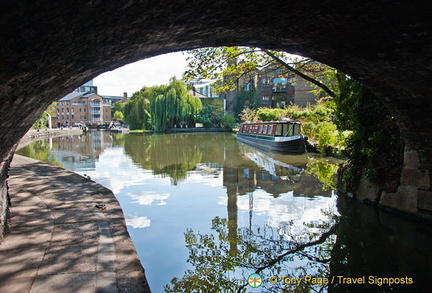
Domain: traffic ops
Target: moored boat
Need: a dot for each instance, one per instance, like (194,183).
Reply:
(279,136)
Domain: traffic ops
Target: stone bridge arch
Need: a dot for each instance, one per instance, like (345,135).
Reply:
(48,48)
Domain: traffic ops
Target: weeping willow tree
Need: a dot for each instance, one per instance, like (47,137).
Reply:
(174,108)
(161,107)
(136,113)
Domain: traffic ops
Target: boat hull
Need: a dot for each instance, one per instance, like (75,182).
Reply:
(294,144)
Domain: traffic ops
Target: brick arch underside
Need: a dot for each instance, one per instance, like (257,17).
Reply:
(48,48)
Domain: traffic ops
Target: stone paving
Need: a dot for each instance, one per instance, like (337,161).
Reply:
(67,234)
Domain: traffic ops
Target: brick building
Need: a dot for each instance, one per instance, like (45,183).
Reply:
(84,105)
(271,88)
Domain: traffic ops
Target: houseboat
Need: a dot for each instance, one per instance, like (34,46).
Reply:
(279,136)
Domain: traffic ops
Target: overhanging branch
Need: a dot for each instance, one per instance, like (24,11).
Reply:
(301,74)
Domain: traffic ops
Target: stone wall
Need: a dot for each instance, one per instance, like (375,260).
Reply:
(4,192)
(412,195)
(33,135)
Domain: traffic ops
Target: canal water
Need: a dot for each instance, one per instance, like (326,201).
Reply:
(209,214)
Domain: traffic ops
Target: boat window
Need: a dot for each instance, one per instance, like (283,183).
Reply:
(278,129)
(260,129)
(290,129)
(256,129)
(270,129)
(265,129)
(296,129)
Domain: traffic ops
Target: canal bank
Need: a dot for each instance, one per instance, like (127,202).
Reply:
(66,233)
(38,134)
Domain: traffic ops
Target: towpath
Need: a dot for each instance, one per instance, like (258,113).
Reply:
(67,234)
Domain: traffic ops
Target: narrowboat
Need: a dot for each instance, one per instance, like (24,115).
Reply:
(278,136)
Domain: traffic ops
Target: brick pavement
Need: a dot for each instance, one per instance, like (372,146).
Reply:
(67,234)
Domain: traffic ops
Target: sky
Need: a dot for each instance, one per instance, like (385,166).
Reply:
(148,72)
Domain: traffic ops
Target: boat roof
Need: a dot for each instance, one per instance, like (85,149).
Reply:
(272,122)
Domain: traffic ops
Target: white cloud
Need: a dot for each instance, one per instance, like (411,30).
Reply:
(148,72)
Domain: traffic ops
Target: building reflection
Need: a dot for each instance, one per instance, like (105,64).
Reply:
(81,152)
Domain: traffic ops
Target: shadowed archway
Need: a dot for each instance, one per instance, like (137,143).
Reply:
(48,48)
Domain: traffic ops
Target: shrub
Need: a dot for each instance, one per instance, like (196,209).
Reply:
(228,120)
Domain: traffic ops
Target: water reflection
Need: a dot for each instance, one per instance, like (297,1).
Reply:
(204,212)
(72,152)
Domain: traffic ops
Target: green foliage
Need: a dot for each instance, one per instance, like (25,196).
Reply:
(248,115)
(267,114)
(228,120)
(117,107)
(162,154)
(42,122)
(161,107)
(228,64)
(374,148)
(118,116)
(205,120)
(328,136)
(136,113)
(40,150)
(310,129)
(245,99)
(207,116)
(325,172)
(175,107)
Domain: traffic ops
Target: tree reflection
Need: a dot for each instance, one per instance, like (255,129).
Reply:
(40,150)
(286,250)
(166,155)
(324,171)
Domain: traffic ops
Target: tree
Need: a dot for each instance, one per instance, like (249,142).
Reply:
(162,107)
(229,64)
(118,116)
(175,107)
(42,122)
(375,149)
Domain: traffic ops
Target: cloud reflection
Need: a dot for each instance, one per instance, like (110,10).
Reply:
(137,222)
(148,198)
